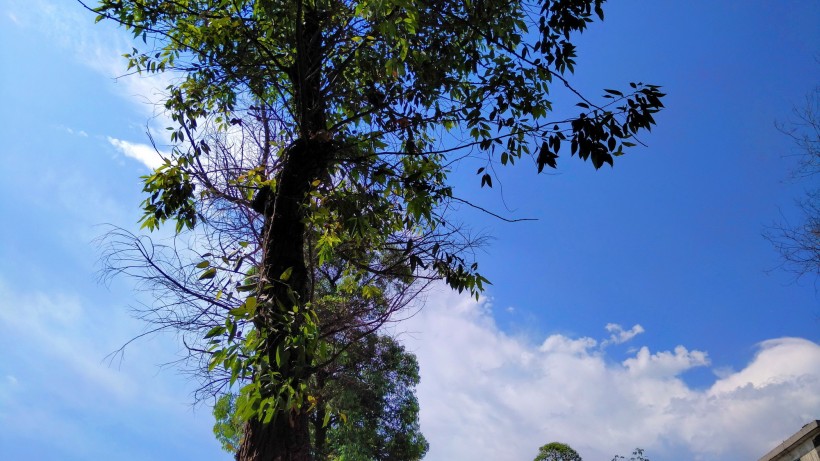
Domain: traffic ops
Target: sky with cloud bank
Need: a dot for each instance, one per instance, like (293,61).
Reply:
(496,383)
(486,394)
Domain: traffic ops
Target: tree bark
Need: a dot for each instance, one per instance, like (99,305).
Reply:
(279,440)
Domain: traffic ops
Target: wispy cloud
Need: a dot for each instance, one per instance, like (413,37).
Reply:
(52,321)
(144,153)
(99,47)
(73,132)
(55,380)
(487,395)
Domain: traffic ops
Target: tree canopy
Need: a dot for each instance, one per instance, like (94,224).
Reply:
(637,455)
(311,147)
(557,451)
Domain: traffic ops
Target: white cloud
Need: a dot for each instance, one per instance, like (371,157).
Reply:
(485,394)
(619,335)
(144,153)
(665,363)
(778,361)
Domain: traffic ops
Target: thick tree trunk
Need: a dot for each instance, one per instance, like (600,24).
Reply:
(287,437)
(280,440)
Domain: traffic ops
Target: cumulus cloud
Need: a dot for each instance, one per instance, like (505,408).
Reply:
(144,153)
(485,394)
(664,363)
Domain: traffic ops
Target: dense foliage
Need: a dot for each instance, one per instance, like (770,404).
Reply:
(557,451)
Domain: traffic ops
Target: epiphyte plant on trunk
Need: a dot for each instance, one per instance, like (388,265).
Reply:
(328,128)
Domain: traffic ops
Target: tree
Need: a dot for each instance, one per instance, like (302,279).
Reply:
(799,244)
(228,425)
(637,455)
(557,451)
(316,136)
(372,387)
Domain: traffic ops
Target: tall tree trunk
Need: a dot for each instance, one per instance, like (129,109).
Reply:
(287,436)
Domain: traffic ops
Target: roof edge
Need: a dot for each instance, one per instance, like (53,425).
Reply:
(799,437)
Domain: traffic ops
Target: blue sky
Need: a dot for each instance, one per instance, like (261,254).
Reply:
(711,351)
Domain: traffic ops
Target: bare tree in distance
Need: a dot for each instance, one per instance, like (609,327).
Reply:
(799,243)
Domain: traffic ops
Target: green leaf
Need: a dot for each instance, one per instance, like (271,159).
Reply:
(328,412)
(286,274)
(238,311)
(215,331)
(208,274)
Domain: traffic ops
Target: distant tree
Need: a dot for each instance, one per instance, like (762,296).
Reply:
(799,243)
(373,386)
(637,455)
(228,426)
(557,451)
